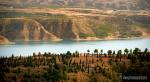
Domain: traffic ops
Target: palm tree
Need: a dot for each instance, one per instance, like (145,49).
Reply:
(34,54)
(77,54)
(88,51)
(131,51)
(119,54)
(109,53)
(96,52)
(113,53)
(12,56)
(39,55)
(126,51)
(101,51)
(146,50)
(136,50)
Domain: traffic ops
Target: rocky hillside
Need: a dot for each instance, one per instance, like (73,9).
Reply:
(100,4)
(33,26)
(13,29)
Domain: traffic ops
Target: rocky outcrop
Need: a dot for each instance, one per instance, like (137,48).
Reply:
(24,29)
(4,40)
(38,29)
(67,29)
(73,27)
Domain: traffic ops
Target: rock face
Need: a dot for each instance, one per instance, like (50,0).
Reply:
(43,29)
(4,40)
(78,24)
(74,27)
(24,29)
(67,29)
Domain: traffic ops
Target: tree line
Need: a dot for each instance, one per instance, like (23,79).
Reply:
(59,65)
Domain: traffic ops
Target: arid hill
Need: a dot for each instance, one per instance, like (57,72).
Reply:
(72,23)
(100,4)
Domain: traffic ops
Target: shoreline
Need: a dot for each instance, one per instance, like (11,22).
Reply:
(99,39)
(6,43)
(81,39)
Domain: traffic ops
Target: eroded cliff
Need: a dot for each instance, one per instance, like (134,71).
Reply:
(24,29)
(45,27)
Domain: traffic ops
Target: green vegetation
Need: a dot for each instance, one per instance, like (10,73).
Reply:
(130,30)
(130,33)
(93,66)
(87,35)
(31,15)
(104,30)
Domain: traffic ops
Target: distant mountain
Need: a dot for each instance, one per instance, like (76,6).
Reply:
(100,4)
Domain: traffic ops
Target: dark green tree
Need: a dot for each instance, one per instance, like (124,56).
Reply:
(146,50)
(109,52)
(119,54)
(126,51)
(96,52)
(136,50)
(101,51)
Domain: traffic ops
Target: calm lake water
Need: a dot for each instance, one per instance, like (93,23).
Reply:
(27,48)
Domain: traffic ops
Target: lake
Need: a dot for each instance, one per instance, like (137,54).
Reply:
(27,48)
